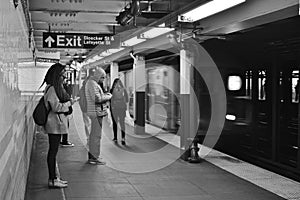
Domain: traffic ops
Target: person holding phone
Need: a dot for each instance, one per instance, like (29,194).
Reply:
(118,108)
(60,104)
(97,108)
(68,87)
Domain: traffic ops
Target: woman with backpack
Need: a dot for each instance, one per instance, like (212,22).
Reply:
(59,102)
(118,107)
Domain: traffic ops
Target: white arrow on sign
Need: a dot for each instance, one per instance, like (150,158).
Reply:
(49,40)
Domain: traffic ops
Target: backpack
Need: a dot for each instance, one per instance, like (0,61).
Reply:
(82,100)
(40,112)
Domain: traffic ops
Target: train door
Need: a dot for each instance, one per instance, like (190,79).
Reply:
(262,99)
(288,115)
(157,105)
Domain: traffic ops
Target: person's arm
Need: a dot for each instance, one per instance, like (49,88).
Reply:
(126,95)
(53,100)
(97,94)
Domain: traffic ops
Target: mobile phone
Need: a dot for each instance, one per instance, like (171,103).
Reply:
(76,98)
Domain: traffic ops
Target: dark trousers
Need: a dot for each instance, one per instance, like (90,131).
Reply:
(54,140)
(64,138)
(121,119)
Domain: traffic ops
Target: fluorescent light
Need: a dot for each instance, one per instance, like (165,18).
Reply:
(25,64)
(132,41)
(114,50)
(154,32)
(93,59)
(96,57)
(109,52)
(105,53)
(208,9)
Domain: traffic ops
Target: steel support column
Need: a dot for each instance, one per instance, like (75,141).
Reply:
(140,83)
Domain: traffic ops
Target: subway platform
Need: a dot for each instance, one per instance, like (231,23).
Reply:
(134,172)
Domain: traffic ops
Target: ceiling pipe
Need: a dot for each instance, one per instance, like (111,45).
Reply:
(132,56)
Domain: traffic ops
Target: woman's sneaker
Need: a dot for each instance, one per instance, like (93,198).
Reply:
(96,162)
(56,183)
(123,141)
(62,181)
(67,144)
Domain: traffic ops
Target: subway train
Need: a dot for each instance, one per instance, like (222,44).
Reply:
(261,78)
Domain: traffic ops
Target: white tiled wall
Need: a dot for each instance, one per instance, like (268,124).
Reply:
(30,79)
(16,125)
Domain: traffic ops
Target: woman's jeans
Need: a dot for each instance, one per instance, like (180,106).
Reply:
(64,138)
(118,117)
(54,140)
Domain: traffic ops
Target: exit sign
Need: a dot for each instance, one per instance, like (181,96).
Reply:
(78,40)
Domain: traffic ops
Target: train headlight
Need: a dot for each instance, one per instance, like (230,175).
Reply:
(234,83)
(230,117)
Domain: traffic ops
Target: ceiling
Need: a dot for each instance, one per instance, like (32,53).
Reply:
(90,16)
(99,17)
(284,41)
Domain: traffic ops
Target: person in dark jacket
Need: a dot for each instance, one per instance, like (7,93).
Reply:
(118,107)
(68,87)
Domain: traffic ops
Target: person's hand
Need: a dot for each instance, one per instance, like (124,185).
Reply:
(74,100)
(109,95)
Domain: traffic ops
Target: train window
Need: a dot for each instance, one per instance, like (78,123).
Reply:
(248,83)
(262,85)
(281,93)
(234,83)
(295,86)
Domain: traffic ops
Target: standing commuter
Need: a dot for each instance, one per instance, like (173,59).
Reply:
(118,107)
(96,109)
(59,103)
(83,107)
(68,87)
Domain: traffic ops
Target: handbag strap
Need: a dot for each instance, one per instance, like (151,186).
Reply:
(44,97)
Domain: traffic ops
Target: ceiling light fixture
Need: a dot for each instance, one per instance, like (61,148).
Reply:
(132,41)
(154,32)
(75,55)
(114,50)
(129,13)
(208,9)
